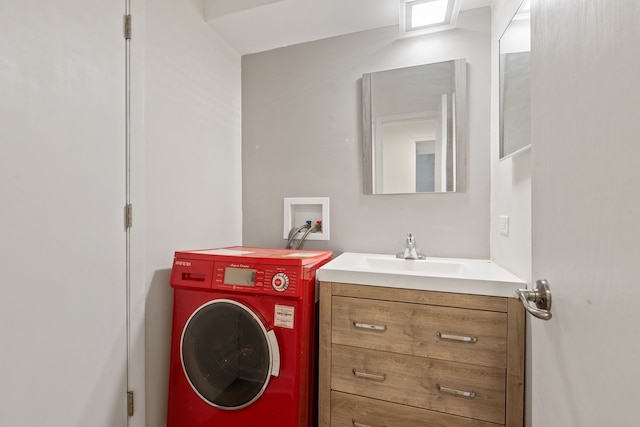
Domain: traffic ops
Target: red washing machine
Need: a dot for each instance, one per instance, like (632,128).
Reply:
(243,340)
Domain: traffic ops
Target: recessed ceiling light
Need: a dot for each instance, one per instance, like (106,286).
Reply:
(424,16)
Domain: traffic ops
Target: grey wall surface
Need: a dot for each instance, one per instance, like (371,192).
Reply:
(301,113)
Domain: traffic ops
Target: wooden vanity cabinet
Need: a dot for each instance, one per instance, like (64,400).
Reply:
(411,358)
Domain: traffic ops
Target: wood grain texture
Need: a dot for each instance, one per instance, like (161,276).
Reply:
(515,363)
(408,396)
(413,329)
(348,408)
(324,356)
(477,302)
(411,380)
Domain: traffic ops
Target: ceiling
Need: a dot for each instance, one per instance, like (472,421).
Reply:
(251,26)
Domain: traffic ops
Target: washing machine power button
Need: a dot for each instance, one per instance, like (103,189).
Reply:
(280,282)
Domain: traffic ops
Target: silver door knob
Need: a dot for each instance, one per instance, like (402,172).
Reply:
(537,301)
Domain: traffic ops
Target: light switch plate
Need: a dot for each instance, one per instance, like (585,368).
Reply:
(503,225)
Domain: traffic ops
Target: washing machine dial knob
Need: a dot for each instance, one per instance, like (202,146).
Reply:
(280,282)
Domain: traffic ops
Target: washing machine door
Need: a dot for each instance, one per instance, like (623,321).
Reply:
(227,354)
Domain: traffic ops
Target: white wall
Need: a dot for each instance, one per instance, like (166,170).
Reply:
(510,187)
(399,153)
(302,137)
(193,178)
(511,177)
(62,182)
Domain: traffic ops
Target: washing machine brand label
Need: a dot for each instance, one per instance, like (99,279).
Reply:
(284,315)
(184,263)
(239,266)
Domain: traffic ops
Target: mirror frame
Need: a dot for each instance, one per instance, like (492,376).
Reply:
(460,131)
(501,94)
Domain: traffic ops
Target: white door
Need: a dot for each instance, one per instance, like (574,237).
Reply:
(62,196)
(586,212)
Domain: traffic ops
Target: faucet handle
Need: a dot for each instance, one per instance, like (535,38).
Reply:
(410,251)
(411,241)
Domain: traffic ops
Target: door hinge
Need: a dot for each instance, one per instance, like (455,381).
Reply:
(128,216)
(130,403)
(127,27)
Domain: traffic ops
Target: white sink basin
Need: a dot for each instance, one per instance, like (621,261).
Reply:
(426,266)
(470,276)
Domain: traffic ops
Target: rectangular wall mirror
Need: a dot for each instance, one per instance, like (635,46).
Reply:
(414,129)
(515,84)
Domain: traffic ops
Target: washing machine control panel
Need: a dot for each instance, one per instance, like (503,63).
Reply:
(256,278)
(280,282)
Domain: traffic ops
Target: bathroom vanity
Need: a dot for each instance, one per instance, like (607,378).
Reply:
(410,343)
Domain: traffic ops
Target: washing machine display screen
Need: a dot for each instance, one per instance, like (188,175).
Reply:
(239,276)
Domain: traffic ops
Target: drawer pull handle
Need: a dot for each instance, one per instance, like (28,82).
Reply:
(454,392)
(380,328)
(357,424)
(462,338)
(368,376)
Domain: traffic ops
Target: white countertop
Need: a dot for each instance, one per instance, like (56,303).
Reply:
(458,275)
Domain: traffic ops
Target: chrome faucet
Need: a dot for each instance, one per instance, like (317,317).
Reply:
(410,251)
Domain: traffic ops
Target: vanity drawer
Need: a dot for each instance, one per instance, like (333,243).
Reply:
(355,411)
(454,388)
(457,334)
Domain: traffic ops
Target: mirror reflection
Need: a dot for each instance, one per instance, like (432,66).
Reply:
(411,118)
(515,87)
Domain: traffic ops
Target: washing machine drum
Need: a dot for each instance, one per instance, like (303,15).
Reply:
(227,354)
